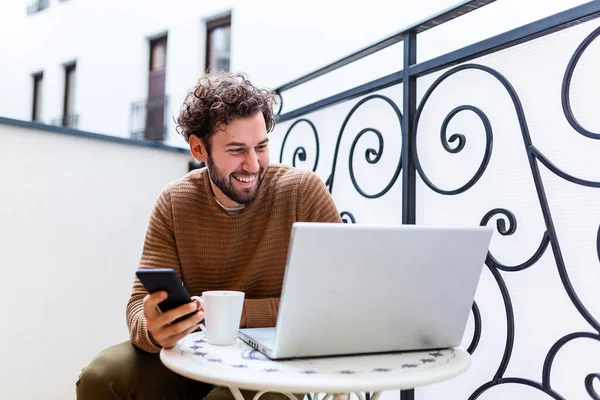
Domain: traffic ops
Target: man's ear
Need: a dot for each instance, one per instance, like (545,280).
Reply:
(198,149)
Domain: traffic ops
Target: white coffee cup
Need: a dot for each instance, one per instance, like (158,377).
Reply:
(222,315)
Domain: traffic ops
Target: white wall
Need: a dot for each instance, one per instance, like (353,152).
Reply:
(73,217)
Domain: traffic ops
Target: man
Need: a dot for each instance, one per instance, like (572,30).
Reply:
(226,226)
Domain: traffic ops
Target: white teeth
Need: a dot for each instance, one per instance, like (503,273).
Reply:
(248,179)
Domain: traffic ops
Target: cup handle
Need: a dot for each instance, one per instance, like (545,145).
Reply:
(201,301)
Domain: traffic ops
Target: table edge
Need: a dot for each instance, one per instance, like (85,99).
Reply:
(218,380)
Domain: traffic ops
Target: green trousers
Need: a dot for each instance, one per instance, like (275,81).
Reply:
(126,372)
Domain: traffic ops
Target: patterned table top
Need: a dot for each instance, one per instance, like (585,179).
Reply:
(241,366)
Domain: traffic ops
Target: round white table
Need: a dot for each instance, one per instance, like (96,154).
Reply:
(241,367)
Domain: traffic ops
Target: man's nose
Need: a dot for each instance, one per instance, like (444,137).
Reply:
(251,162)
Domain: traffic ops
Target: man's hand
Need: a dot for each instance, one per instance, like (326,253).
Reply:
(161,326)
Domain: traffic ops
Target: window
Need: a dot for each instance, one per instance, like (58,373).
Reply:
(218,44)
(158,54)
(36,109)
(147,118)
(69,118)
(156,103)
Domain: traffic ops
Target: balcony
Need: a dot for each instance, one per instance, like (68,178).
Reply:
(147,119)
(68,121)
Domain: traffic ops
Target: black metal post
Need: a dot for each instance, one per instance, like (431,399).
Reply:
(407,395)
(409,104)
(409,98)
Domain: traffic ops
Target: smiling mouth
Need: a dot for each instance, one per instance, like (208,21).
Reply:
(245,179)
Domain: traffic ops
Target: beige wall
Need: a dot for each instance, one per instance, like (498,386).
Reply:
(73,215)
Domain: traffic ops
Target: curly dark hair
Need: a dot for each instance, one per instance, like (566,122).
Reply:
(219,98)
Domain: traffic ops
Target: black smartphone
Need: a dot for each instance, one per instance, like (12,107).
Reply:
(166,279)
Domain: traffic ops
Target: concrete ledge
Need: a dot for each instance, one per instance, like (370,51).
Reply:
(91,135)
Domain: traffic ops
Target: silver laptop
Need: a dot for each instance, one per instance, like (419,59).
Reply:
(357,289)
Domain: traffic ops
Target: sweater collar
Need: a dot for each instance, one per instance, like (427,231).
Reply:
(244,209)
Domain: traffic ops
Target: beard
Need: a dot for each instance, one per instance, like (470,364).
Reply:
(244,196)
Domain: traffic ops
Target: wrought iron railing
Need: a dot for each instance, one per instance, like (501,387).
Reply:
(37,6)
(148,119)
(409,166)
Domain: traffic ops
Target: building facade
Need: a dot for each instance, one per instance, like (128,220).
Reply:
(124,68)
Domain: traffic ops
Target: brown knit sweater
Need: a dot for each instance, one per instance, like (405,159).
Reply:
(212,250)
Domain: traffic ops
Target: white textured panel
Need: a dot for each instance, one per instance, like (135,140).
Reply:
(543,311)
(371,178)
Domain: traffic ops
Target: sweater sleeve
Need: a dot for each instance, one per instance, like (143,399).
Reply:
(315,204)
(159,252)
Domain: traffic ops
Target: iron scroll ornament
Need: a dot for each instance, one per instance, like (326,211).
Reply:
(549,236)
(280,101)
(566,86)
(507,223)
(347,217)
(598,244)
(300,152)
(501,227)
(457,136)
(372,156)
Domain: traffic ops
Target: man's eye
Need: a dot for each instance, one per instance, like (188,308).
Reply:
(262,147)
(235,151)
